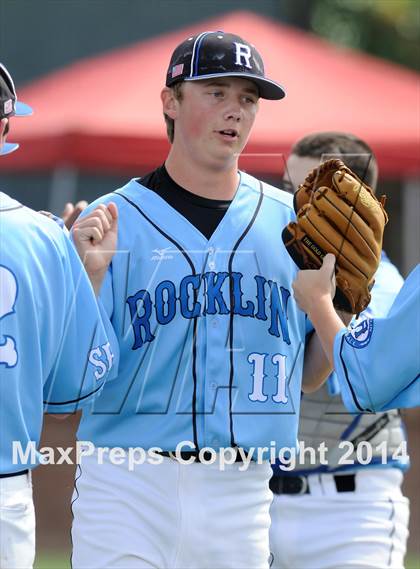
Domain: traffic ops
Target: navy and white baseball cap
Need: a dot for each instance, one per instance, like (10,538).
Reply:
(9,105)
(219,54)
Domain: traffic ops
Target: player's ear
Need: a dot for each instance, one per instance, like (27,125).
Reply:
(169,102)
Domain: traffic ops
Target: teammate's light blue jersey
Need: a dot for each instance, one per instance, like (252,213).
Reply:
(388,283)
(378,362)
(211,339)
(324,420)
(54,351)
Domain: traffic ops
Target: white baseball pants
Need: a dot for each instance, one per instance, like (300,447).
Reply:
(170,516)
(17,523)
(364,529)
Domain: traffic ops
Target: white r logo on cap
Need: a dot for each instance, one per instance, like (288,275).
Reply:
(243,52)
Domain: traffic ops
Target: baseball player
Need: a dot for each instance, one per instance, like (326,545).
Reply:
(355,484)
(55,351)
(211,340)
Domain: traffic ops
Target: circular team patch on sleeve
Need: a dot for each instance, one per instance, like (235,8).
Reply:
(359,337)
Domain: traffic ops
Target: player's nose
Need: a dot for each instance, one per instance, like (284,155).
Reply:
(233,110)
(233,113)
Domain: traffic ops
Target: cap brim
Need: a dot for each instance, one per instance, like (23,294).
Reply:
(8,148)
(22,110)
(268,89)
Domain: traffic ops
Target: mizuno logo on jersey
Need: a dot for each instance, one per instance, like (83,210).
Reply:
(161,254)
(209,293)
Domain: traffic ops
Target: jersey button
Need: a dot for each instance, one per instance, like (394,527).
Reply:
(212,265)
(213,385)
(211,251)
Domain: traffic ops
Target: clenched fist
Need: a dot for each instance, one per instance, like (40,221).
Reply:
(95,237)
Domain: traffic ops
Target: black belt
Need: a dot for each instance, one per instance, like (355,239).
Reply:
(204,457)
(300,484)
(14,474)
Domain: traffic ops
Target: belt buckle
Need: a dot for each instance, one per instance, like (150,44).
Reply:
(305,485)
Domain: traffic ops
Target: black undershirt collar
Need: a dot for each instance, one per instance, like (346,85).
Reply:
(204,213)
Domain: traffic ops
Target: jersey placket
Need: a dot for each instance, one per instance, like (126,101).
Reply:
(216,360)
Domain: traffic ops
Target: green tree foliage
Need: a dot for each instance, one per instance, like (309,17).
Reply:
(386,28)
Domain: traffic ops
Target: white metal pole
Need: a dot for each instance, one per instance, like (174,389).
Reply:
(63,188)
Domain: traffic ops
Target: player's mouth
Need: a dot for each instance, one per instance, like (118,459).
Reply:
(229,134)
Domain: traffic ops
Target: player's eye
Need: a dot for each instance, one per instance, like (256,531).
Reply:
(250,100)
(217,94)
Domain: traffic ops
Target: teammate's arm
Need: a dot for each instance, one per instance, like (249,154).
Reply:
(314,291)
(369,381)
(87,354)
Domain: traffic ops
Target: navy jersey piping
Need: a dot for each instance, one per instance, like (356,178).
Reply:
(231,372)
(194,347)
(73,400)
(14,208)
(356,402)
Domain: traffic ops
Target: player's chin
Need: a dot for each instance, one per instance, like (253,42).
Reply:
(231,149)
(226,160)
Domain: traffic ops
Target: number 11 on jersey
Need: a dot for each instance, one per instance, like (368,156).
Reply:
(259,375)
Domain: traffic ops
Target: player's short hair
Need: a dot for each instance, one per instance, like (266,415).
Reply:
(354,152)
(170,124)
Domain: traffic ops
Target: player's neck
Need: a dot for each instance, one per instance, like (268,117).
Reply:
(211,183)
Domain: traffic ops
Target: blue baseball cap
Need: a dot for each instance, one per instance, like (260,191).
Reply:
(10,106)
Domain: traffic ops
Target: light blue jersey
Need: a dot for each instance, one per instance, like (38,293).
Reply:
(325,420)
(378,362)
(54,351)
(211,339)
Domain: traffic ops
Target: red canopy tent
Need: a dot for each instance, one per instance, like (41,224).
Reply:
(104,113)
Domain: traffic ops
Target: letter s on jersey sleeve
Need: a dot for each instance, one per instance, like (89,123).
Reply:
(104,358)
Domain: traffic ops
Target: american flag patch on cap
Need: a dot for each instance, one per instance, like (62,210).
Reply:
(8,106)
(177,70)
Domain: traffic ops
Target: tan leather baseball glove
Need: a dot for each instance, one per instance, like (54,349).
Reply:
(337,213)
